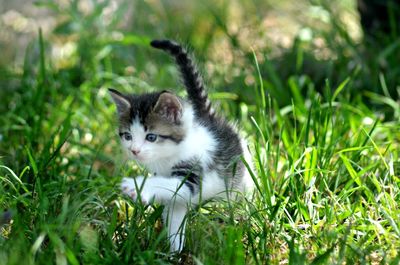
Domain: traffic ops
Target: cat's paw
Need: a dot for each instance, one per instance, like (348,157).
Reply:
(128,187)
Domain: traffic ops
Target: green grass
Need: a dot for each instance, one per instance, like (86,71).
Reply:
(325,143)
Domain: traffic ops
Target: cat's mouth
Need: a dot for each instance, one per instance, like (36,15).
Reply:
(137,155)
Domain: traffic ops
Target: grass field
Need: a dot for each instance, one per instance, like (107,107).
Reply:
(323,123)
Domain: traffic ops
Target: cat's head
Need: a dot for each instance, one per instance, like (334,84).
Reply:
(151,126)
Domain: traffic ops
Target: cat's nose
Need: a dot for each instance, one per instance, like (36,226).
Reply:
(135,151)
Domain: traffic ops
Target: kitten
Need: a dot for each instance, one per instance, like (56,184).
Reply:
(193,154)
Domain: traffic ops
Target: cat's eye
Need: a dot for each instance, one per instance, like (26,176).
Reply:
(151,137)
(127,136)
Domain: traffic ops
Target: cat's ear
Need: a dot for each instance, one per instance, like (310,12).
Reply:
(120,101)
(169,107)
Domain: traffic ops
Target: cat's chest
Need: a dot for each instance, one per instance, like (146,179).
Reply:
(163,173)
(159,168)
(167,168)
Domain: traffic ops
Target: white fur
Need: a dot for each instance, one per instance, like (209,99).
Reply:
(247,180)
(174,215)
(159,158)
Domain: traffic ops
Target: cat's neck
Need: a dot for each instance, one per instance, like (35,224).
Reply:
(198,144)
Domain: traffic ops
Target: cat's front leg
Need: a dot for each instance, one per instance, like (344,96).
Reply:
(137,188)
(174,217)
(158,189)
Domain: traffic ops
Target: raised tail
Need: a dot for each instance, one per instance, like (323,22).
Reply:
(191,77)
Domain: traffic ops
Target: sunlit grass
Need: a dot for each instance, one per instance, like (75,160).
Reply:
(326,156)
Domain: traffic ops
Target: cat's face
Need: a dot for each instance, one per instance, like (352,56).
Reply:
(150,125)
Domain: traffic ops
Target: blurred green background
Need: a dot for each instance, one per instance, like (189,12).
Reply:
(319,39)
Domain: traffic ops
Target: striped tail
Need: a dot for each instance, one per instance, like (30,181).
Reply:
(192,79)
